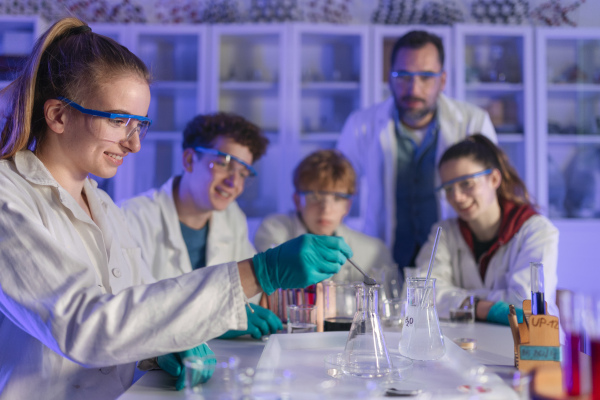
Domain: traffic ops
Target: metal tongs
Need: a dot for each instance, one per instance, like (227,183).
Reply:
(367,279)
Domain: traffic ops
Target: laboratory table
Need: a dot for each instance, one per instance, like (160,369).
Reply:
(494,348)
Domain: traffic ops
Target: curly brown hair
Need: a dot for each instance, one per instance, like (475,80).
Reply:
(204,129)
(324,168)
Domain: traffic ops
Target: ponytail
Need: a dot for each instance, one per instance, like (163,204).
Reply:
(482,150)
(66,60)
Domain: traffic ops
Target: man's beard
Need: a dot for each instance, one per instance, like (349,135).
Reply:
(412,116)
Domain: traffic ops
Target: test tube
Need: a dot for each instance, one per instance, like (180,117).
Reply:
(538,306)
(571,306)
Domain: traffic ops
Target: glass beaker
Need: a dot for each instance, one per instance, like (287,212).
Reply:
(421,335)
(366,354)
(339,305)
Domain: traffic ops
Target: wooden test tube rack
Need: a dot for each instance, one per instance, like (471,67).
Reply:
(537,343)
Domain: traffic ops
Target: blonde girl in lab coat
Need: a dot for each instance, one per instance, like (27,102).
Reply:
(193,220)
(487,249)
(78,305)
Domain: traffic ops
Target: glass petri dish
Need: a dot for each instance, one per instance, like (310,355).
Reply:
(337,367)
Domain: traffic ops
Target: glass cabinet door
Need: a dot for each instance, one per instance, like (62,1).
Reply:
(494,70)
(329,67)
(247,76)
(568,118)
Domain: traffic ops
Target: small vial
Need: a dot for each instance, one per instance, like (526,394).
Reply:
(537,288)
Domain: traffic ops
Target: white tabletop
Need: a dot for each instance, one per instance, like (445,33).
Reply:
(494,347)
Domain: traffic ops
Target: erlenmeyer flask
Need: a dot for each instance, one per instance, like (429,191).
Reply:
(366,354)
(421,338)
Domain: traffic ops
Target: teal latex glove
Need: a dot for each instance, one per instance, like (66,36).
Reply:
(300,262)
(499,313)
(260,322)
(173,364)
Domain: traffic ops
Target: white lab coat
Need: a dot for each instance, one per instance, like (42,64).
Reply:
(508,275)
(368,140)
(76,309)
(369,253)
(153,217)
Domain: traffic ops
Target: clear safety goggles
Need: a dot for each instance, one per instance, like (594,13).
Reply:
(124,125)
(227,163)
(465,184)
(405,77)
(319,197)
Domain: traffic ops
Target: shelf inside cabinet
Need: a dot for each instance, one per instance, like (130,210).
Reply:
(171,110)
(574,179)
(178,86)
(152,136)
(170,57)
(331,86)
(249,58)
(573,60)
(574,87)
(330,57)
(493,58)
(574,139)
(494,87)
(505,108)
(510,138)
(261,108)
(248,85)
(318,137)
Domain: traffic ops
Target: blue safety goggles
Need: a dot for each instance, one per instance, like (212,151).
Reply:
(227,158)
(407,75)
(465,180)
(117,121)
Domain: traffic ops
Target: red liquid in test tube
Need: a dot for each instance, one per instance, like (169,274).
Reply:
(595,369)
(571,367)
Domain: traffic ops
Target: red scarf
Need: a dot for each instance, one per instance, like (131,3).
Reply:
(513,218)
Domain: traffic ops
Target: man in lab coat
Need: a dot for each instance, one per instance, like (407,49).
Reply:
(193,220)
(395,145)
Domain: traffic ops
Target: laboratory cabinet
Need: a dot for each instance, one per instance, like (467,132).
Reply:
(568,84)
(299,82)
(494,70)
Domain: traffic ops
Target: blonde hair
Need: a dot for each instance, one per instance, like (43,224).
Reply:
(324,168)
(68,60)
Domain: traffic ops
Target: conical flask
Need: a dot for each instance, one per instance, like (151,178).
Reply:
(366,354)
(421,338)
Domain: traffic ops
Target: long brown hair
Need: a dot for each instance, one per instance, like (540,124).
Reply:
(482,150)
(68,60)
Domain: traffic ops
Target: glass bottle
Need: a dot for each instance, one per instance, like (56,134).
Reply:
(421,337)
(366,354)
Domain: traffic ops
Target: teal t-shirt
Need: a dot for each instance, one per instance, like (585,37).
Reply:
(195,241)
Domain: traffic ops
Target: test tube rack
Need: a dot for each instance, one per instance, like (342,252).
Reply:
(537,343)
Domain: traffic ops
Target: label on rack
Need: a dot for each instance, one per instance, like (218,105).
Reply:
(540,353)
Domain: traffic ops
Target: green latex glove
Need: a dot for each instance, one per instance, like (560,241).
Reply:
(260,322)
(300,262)
(499,313)
(173,364)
